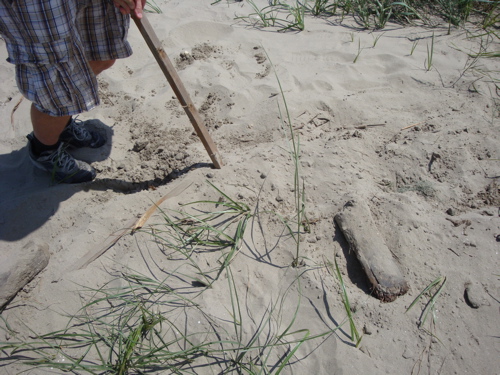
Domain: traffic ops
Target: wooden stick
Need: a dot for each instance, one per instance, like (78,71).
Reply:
(368,126)
(412,125)
(173,78)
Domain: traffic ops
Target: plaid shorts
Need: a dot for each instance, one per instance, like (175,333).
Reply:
(51,42)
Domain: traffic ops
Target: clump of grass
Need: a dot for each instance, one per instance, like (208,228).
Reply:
(298,14)
(119,330)
(266,16)
(382,12)
(143,327)
(454,11)
(490,15)
(321,7)
(362,12)
(152,7)
(375,13)
(221,229)
(283,16)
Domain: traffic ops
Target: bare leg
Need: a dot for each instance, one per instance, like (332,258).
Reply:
(99,66)
(48,128)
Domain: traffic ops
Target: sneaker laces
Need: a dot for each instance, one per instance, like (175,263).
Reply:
(62,160)
(78,130)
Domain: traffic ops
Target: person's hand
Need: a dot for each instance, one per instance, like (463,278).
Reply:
(131,6)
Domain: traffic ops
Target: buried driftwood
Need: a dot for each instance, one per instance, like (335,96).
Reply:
(19,267)
(357,225)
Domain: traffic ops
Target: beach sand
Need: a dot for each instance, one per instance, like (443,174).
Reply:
(428,171)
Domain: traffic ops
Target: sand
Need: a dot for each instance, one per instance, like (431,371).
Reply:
(428,172)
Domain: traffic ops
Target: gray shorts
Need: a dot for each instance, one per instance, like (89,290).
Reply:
(51,42)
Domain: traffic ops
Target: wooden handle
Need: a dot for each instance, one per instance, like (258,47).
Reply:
(180,91)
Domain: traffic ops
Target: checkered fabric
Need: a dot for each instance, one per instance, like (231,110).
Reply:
(50,42)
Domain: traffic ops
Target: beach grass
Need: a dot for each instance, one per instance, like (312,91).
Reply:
(145,324)
(430,54)
(152,7)
(482,15)
(360,49)
(433,290)
(212,226)
(293,138)
(376,39)
(283,16)
(432,293)
(335,270)
(321,7)
(375,14)
(413,47)
(136,327)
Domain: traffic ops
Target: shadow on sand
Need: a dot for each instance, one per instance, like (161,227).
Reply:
(28,197)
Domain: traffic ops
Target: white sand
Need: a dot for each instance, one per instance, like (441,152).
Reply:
(236,90)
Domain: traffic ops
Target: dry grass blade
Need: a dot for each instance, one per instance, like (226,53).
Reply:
(15,109)
(429,307)
(174,192)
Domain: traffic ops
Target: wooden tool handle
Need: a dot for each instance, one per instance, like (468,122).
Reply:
(180,91)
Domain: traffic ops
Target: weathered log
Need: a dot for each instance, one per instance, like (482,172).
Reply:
(19,267)
(356,223)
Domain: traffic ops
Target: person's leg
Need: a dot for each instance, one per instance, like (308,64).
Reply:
(59,87)
(99,66)
(46,128)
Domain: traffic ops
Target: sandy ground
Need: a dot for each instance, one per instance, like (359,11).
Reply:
(429,174)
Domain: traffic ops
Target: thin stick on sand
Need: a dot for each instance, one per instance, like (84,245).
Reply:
(412,125)
(130,228)
(15,109)
(368,126)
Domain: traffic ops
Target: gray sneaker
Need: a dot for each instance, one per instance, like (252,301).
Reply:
(63,167)
(77,135)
